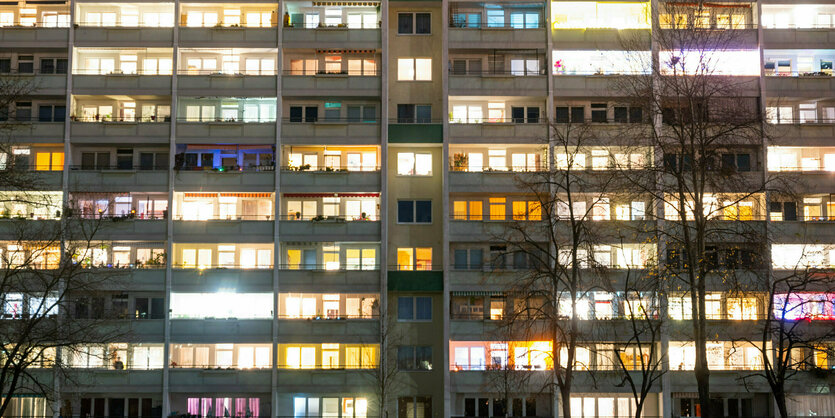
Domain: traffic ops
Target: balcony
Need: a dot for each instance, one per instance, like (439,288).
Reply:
(601,38)
(119,132)
(497,38)
(256,231)
(124,36)
(37,132)
(37,83)
(332,37)
(223,132)
(117,180)
(808,134)
(498,84)
(125,228)
(330,181)
(118,380)
(226,84)
(260,179)
(346,331)
(498,133)
(488,181)
(337,229)
(587,85)
(313,380)
(331,133)
(259,37)
(220,380)
(800,38)
(34,37)
(330,85)
(217,330)
(130,84)
(343,281)
(208,280)
(796,85)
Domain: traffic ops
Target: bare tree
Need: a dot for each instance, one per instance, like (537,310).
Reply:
(702,115)
(637,354)
(41,273)
(559,240)
(788,336)
(385,377)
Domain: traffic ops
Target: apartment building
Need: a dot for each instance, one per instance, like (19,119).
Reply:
(287,179)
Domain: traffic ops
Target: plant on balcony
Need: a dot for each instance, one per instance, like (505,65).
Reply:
(459,161)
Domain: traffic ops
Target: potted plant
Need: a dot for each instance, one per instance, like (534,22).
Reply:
(459,161)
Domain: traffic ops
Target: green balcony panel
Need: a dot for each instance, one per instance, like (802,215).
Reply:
(416,281)
(418,133)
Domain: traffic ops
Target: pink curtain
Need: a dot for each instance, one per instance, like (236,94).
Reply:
(254,407)
(194,406)
(240,407)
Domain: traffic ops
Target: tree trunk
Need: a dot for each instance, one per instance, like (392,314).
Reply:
(780,400)
(565,394)
(703,382)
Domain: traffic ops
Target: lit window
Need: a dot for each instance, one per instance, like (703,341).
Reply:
(414,164)
(414,69)
(49,161)
(414,259)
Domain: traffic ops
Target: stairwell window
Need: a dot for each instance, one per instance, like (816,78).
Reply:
(414,69)
(414,23)
(414,164)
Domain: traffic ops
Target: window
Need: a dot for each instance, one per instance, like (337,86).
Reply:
(472,259)
(414,211)
(307,114)
(414,69)
(467,210)
(49,161)
(364,113)
(51,113)
(414,259)
(410,357)
(414,164)
(53,65)
(417,308)
(414,113)
(414,407)
(413,23)
(330,407)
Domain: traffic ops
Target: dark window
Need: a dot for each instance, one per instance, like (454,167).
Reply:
(414,211)
(743,162)
(26,64)
(44,113)
(124,159)
(146,161)
(157,308)
(621,114)
(499,407)
(23,111)
(411,406)
(405,23)
(414,23)
(5,65)
(636,114)
(47,66)
(424,113)
(142,309)
(311,113)
(406,211)
(423,23)
(561,114)
(296,113)
(61,66)
(405,308)
(578,114)
(598,112)
(411,357)
(423,211)
(405,113)
(460,257)
(354,113)
(518,114)
(530,407)
(533,115)
(520,260)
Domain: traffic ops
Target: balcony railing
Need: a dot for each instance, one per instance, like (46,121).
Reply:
(228,168)
(331,169)
(486,121)
(85,71)
(220,119)
(772,73)
(507,169)
(119,167)
(269,217)
(326,120)
(416,120)
(488,72)
(325,73)
(115,119)
(221,73)
(189,266)
(801,121)
(329,218)
(326,267)
(35,24)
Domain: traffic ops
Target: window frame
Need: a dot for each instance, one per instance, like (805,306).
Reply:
(414,23)
(414,210)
